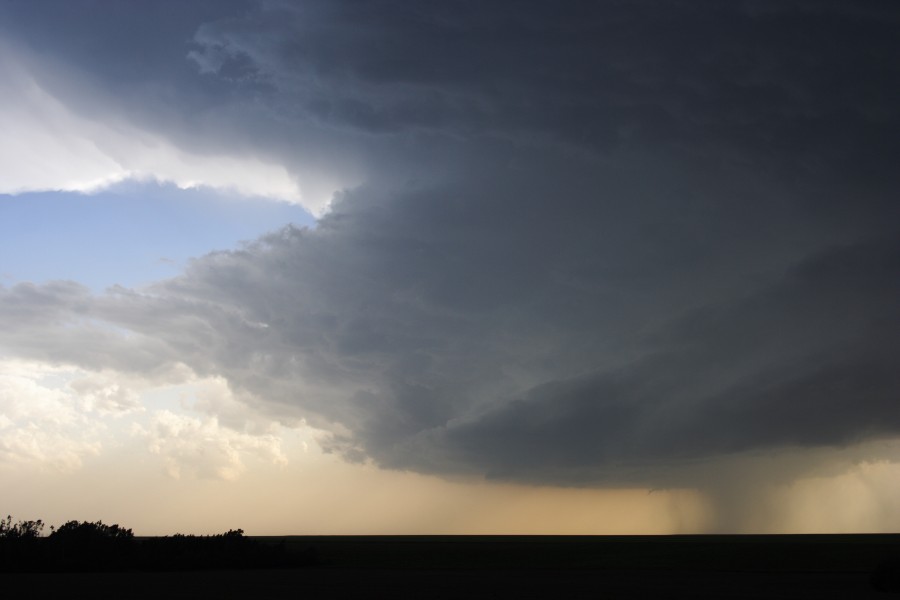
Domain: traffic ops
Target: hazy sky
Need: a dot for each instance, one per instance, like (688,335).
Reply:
(342,266)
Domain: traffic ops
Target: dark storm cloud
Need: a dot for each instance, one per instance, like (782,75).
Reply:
(596,240)
(811,360)
(793,87)
(766,77)
(135,50)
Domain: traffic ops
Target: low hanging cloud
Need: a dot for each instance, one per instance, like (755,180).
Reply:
(597,246)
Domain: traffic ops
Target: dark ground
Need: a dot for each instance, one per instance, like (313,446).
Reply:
(825,566)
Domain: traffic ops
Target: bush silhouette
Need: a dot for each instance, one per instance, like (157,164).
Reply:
(78,545)
(230,550)
(20,547)
(91,533)
(96,546)
(21,530)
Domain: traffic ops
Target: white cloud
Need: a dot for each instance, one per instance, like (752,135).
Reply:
(213,397)
(105,394)
(205,448)
(56,416)
(42,424)
(45,145)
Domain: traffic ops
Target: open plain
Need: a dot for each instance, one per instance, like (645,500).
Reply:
(721,566)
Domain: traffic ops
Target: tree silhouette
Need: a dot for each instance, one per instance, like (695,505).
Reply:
(20,530)
(96,546)
(85,532)
(83,545)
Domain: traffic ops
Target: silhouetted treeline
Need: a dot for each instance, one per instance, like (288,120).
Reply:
(86,546)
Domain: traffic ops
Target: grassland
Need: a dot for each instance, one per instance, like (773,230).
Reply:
(820,566)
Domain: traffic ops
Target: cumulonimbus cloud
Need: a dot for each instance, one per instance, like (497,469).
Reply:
(479,354)
(645,244)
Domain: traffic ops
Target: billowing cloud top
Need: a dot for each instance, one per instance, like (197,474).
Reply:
(582,242)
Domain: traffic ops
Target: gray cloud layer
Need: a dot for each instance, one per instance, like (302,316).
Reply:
(594,241)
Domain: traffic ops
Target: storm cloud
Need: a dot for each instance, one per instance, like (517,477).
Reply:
(588,242)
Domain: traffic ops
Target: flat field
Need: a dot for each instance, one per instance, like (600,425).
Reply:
(721,566)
